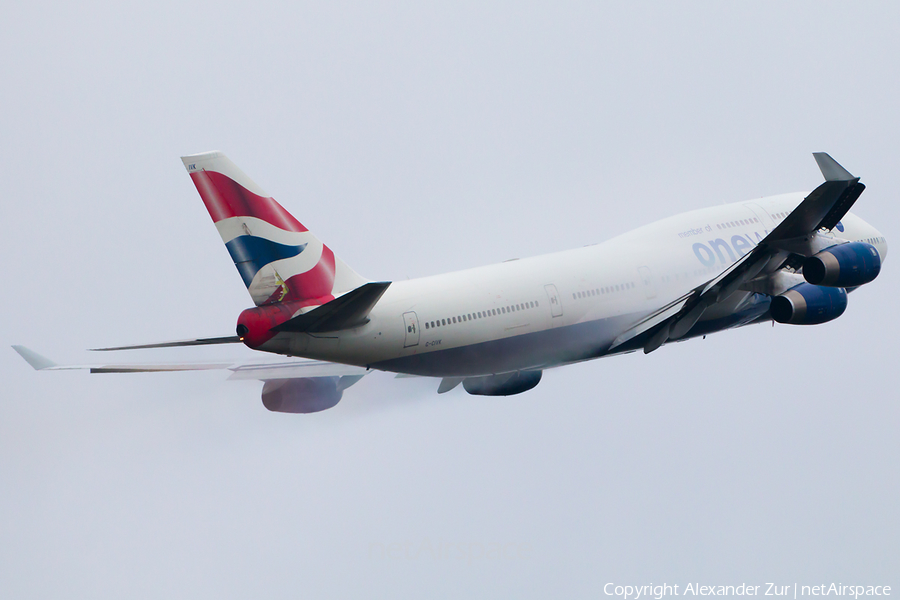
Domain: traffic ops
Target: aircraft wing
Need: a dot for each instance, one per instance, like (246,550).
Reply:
(262,371)
(797,234)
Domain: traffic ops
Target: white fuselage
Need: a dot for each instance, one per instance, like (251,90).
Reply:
(563,307)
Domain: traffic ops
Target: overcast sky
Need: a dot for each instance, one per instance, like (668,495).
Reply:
(415,139)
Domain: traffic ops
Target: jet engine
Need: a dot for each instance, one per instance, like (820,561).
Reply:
(808,304)
(847,265)
(301,395)
(507,384)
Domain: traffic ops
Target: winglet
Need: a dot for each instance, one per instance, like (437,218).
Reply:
(34,359)
(830,168)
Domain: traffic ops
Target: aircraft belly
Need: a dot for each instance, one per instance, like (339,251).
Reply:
(536,350)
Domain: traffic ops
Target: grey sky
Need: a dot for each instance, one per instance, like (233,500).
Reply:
(416,139)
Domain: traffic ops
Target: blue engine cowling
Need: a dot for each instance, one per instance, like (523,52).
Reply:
(502,385)
(808,304)
(847,265)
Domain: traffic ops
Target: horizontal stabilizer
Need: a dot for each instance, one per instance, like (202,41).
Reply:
(231,339)
(345,312)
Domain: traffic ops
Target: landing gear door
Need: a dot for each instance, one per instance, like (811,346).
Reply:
(411,322)
(553,296)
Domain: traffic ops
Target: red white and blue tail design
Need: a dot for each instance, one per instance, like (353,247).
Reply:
(277,257)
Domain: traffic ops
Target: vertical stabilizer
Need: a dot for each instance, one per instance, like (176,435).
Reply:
(276,256)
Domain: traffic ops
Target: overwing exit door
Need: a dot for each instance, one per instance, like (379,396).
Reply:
(553,296)
(411,322)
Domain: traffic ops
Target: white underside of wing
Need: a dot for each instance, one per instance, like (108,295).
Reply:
(261,371)
(294,370)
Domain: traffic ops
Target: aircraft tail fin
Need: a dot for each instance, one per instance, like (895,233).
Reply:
(277,257)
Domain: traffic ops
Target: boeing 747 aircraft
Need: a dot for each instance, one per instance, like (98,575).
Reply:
(791,258)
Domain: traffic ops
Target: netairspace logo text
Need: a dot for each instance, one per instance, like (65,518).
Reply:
(660,591)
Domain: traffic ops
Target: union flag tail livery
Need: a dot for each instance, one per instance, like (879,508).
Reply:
(276,256)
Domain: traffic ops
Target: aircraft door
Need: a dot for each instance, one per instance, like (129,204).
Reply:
(411,322)
(763,216)
(553,296)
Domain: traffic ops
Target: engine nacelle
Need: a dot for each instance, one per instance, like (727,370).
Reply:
(301,395)
(808,304)
(507,384)
(847,265)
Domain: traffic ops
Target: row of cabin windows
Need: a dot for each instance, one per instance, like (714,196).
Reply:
(737,223)
(481,315)
(780,215)
(873,241)
(604,290)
